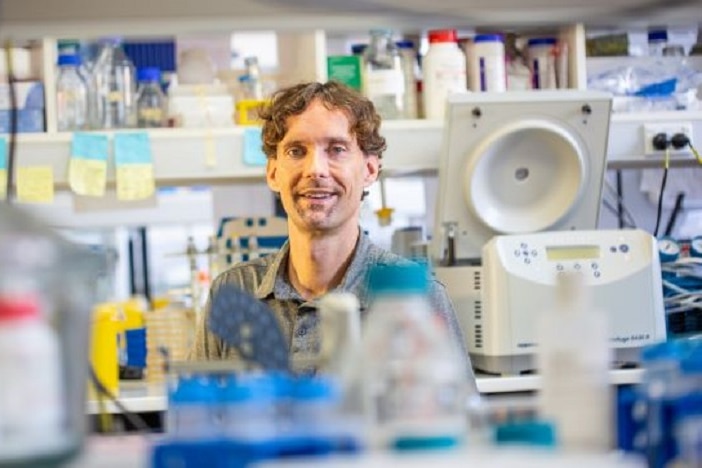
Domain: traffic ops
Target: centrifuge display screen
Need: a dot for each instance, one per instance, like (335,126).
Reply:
(573,252)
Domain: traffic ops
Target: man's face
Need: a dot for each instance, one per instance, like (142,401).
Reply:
(320,172)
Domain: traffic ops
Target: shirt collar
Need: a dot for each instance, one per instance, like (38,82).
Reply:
(275,280)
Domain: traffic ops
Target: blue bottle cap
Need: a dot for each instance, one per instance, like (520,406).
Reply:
(315,388)
(534,433)
(358,49)
(405,44)
(194,390)
(402,278)
(249,388)
(657,35)
(149,74)
(537,41)
(487,38)
(69,60)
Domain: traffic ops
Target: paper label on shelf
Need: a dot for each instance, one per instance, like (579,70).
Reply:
(89,146)
(35,184)
(87,168)
(210,150)
(132,148)
(135,181)
(87,177)
(253,153)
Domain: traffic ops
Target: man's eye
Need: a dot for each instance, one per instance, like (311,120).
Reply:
(337,149)
(295,152)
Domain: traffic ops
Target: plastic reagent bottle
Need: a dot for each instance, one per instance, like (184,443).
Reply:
(151,101)
(486,63)
(31,397)
(71,95)
(413,382)
(114,87)
(573,359)
(383,80)
(444,72)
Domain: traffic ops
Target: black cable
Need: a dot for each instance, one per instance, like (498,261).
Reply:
(145,262)
(674,214)
(12,144)
(659,211)
(620,197)
(133,418)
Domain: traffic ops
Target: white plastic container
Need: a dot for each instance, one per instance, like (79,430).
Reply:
(31,393)
(573,356)
(444,72)
(486,63)
(542,62)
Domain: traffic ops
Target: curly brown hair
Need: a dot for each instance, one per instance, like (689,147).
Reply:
(364,121)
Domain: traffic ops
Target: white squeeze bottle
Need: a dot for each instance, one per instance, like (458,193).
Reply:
(444,72)
(573,359)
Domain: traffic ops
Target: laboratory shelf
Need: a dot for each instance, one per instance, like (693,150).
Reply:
(216,156)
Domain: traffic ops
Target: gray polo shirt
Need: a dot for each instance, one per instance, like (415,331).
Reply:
(266,278)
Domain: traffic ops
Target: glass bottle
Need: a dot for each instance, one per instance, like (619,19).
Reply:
(71,95)
(414,384)
(409,71)
(384,82)
(114,87)
(151,101)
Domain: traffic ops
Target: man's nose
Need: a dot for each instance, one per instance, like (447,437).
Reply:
(316,163)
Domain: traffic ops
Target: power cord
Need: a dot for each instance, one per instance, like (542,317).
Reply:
(12,143)
(133,418)
(659,211)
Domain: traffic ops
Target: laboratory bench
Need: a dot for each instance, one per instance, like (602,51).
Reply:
(142,397)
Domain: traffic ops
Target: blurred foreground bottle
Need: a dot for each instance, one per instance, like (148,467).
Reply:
(573,359)
(46,294)
(413,382)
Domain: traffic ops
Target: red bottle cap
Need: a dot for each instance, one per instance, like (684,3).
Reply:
(443,35)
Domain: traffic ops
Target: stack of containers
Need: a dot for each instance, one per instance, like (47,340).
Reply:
(168,337)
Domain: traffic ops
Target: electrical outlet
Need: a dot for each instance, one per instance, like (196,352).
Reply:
(650,130)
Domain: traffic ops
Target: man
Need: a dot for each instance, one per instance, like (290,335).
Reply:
(324,148)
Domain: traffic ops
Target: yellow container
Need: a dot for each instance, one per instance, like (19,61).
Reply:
(247,111)
(103,347)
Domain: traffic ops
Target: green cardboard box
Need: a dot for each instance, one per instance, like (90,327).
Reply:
(345,69)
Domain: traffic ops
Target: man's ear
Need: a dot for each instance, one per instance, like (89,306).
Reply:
(372,169)
(271,172)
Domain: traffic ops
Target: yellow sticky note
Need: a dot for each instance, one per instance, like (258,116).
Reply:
(3,184)
(87,176)
(135,181)
(35,184)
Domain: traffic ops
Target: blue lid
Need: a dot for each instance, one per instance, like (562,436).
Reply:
(539,433)
(668,350)
(405,44)
(249,388)
(541,41)
(658,35)
(408,277)
(357,49)
(315,388)
(194,390)
(149,74)
(487,38)
(692,362)
(69,60)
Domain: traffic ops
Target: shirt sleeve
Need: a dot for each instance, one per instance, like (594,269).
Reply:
(443,306)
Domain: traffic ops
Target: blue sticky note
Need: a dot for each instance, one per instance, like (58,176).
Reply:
(132,148)
(89,146)
(3,154)
(253,153)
